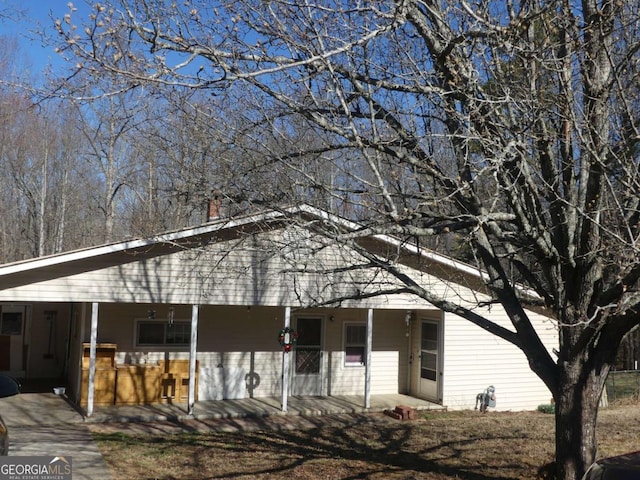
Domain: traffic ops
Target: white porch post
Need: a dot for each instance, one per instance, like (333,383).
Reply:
(285,364)
(367,365)
(92,358)
(82,323)
(193,350)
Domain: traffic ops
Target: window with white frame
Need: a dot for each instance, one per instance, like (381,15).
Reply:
(355,344)
(155,333)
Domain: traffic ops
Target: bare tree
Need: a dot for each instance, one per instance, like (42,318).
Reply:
(513,124)
(46,185)
(108,131)
(39,200)
(198,147)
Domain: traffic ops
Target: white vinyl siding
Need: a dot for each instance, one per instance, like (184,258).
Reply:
(476,359)
(233,273)
(243,287)
(388,355)
(239,354)
(47,345)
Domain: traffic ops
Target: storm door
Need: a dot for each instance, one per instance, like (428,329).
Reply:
(429,360)
(308,366)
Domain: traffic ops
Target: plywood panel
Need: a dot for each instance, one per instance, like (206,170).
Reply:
(138,384)
(105,355)
(174,381)
(105,385)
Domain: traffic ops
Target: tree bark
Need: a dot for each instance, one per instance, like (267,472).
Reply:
(577,402)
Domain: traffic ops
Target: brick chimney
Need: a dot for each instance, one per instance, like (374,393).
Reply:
(214,207)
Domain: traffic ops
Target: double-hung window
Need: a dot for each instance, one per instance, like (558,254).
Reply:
(355,344)
(155,333)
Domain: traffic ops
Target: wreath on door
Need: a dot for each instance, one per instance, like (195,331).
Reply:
(287,338)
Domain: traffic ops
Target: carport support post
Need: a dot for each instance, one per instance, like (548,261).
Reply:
(193,350)
(367,364)
(285,364)
(92,358)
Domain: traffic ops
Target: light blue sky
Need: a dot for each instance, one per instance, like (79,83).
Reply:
(32,16)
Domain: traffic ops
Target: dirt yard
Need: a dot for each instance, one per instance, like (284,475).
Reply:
(437,445)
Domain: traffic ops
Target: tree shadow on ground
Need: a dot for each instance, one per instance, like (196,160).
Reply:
(347,447)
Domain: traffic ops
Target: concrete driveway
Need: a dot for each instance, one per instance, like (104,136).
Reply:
(46,424)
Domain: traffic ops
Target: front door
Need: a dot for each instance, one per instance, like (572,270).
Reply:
(429,360)
(307,373)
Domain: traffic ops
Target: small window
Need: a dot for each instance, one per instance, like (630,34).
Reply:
(160,333)
(11,323)
(355,344)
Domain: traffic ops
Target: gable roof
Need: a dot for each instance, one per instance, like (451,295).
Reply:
(120,253)
(91,259)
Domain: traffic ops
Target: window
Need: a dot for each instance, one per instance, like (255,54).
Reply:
(11,323)
(429,351)
(161,332)
(355,344)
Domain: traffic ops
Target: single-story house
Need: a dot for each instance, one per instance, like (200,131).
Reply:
(255,306)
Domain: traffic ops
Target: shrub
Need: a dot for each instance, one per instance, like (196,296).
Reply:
(547,408)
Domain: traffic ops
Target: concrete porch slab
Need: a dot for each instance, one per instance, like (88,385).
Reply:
(40,409)
(256,407)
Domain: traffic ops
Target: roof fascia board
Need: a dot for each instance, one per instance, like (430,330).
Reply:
(427,254)
(170,237)
(436,257)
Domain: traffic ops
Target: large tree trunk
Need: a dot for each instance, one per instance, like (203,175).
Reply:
(577,401)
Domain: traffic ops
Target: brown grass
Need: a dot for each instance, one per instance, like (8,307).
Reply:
(438,445)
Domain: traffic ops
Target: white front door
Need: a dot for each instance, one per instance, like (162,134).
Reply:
(429,360)
(308,371)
